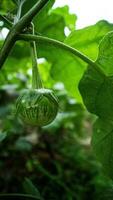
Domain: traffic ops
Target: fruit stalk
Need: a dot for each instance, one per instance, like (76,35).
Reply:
(36,78)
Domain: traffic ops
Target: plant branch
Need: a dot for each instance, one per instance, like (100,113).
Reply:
(17,28)
(18,16)
(75,52)
(18,197)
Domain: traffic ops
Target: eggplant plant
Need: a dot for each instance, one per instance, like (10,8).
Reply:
(82,61)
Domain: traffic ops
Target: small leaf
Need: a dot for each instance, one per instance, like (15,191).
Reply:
(3,136)
(29,188)
(23,145)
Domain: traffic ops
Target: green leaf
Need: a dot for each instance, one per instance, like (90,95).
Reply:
(97,92)
(29,188)
(89,87)
(69,19)
(52,26)
(49,23)
(105,58)
(46,23)
(52,22)
(23,145)
(3,136)
(97,89)
(102,142)
(86,40)
(42,15)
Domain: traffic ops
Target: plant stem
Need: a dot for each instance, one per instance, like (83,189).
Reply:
(17,28)
(36,78)
(8,22)
(17,17)
(27,18)
(75,52)
(55,179)
(18,197)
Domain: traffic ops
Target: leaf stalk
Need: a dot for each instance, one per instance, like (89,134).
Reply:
(75,52)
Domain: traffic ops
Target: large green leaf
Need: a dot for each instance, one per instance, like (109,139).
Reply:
(86,40)
(52,26)
(49,23)
(105,58)
(97,92)
(97,88)
(70,19)
(46,23)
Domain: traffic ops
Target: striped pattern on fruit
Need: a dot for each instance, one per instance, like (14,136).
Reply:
(37,106)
